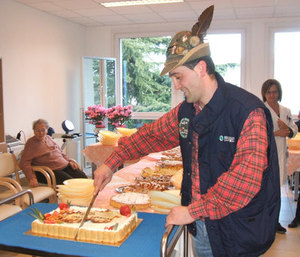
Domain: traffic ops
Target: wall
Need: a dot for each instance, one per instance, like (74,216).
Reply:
(41,59)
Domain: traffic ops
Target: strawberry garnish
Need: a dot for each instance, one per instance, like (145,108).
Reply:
(64,206)
(125,210)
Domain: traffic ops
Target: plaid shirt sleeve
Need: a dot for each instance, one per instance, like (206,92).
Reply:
(154,137)
(236,187)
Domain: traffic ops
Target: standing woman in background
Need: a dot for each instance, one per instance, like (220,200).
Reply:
(283,126)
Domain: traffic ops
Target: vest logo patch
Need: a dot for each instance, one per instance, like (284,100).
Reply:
(184,127)
(226,139)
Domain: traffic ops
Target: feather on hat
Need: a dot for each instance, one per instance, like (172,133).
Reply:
(186,46)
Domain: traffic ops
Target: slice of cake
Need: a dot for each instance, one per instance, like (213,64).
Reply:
(102,225)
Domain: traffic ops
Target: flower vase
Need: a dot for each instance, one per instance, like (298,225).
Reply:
(97,130)
(111,127)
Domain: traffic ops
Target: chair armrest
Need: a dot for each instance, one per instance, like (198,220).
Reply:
(48,173)
(12,186)
(16,195)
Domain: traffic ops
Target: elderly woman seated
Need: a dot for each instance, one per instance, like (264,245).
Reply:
(41,150)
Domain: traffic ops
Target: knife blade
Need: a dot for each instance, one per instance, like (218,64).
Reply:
(86,215)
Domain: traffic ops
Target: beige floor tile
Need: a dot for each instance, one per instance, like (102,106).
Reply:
(11,254)
(281,253)
(286,245)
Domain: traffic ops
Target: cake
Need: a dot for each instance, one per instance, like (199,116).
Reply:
(170,164)
(137,200)
(102,225)
(161,171)
(172,154)
(294,143)
(145,184)
(176,179)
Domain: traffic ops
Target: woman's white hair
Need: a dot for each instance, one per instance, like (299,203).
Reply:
(40,121)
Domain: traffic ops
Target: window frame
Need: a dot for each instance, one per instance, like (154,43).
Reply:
(177,95)
(271,39)
(286,27)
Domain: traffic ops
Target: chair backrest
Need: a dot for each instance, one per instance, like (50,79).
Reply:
(8,164)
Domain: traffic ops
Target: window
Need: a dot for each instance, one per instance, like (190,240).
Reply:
(99,77)
(142,86)
(99,81)
(143,59)
(226,54)
(286,67)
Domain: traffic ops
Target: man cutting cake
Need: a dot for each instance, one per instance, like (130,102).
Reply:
(230,189)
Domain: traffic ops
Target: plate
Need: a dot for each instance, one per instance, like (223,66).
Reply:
(79,182)
(120,189)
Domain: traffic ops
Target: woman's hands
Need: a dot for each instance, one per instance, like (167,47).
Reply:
(33,182)
(283,131)
(74,165)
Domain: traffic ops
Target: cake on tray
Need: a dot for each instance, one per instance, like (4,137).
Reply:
(102,225)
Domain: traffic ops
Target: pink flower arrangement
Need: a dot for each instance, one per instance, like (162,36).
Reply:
(96,115)
(117,115)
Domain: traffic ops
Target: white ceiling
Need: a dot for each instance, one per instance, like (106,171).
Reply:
(91,13)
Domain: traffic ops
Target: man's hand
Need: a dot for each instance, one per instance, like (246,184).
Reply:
(179,215)
(102,176)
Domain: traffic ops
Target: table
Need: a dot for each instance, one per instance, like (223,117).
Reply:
(122,177)
(144,241)
(125,176)
(98,153)
(293,168)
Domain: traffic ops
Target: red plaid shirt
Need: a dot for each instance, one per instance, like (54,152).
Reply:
(234,188)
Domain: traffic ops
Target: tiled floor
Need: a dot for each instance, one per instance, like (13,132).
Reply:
(286,245)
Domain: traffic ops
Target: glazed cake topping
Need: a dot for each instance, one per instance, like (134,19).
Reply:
(132,198)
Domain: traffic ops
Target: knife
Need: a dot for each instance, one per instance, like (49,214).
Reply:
(86,215)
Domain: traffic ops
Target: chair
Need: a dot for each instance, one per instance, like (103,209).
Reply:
(12,204)
(10,169)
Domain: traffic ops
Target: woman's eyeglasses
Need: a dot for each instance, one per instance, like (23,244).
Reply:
(40,130)
(272,92)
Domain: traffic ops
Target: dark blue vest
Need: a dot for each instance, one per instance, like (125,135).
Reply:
(251,230)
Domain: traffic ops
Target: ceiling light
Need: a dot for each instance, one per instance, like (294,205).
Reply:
(140,2)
